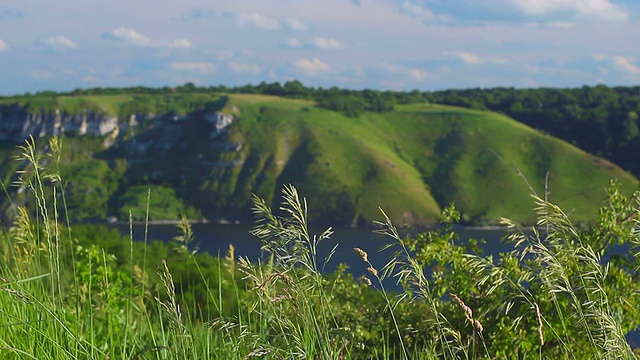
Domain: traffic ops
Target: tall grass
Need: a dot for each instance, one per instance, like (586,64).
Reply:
(558,294)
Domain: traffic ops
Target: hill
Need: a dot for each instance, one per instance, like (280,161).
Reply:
(206,154)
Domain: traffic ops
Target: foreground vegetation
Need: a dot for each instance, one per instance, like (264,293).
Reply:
(69,292)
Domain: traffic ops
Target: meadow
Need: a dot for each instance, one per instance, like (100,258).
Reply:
(82,292)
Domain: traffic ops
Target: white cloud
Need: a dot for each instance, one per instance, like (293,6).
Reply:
(590,10)
(41,75)
(130,36)
(472,59)
(294,43)
(202,67)
(180,43)
(598,57)
(326,43)
(60,42)
(416,74)
(468,58)
(245,68)
(295,24)
(624,63)
(312,67)
(3,45)
(133,37)
(257,20)
(416,11)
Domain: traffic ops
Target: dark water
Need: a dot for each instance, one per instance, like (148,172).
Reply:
(215,239)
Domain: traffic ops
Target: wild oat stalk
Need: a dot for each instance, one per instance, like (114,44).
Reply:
(567,269)
(411,272)
(172,309)
(293,291)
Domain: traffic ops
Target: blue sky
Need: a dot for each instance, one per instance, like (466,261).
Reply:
(380,44)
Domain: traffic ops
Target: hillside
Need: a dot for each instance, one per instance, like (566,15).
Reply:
(206,154)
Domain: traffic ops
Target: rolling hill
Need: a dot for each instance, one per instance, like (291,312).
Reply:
(207,154)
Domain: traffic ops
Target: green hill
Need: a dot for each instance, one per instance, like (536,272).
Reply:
(411,161)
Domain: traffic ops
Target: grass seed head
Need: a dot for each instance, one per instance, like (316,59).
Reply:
(467,310)
(478,325)
(365,280)
(373,271)
(539,316)
(363,254)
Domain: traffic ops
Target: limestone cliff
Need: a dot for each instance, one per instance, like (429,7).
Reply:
(17,124)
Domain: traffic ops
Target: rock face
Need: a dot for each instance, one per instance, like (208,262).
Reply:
(16,124)
(220,121)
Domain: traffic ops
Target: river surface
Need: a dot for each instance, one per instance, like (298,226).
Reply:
(215,239)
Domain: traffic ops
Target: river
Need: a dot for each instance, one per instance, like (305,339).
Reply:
(215,239)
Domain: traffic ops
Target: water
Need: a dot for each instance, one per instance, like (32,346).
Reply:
(215,239)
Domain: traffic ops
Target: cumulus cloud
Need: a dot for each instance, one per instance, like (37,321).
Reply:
(312,67)
(60,42)
(472,59)
(414,73)
(257,20)
(418,74)
(129,36)
(468,58)
(3,45)
(327,43)
(133,37)
(624,64)
(201,67)
(318,43)
(294,43)
(244,68)
(295,24)
(180,43)
(592,10)
(416,11)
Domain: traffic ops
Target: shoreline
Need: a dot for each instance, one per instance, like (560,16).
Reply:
(239,223)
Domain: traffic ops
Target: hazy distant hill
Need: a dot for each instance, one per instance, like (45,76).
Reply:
(206,154)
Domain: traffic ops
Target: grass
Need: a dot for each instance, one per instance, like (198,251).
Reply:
(66,295)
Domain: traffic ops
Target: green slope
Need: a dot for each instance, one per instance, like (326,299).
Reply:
(411,161)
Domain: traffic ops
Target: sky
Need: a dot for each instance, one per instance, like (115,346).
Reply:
(377,44)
